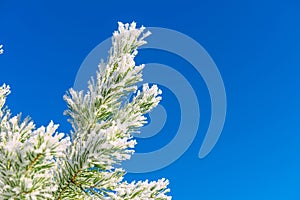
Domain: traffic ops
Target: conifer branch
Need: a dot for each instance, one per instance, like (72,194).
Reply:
(44,164)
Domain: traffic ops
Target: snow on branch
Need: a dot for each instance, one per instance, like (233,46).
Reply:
(41,163)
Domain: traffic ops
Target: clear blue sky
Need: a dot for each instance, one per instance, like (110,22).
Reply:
(255,44)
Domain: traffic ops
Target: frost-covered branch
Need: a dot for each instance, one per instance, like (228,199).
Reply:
(105,114)
(43,164)
(27,156)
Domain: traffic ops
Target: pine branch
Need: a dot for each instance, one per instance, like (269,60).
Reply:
(43,164)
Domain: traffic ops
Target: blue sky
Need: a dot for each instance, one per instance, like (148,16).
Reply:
(255,44)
